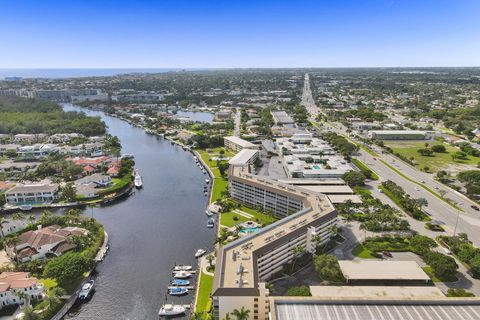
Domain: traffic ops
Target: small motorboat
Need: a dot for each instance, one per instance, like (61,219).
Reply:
(180,282)
(208,213)
(177,291)
(182,274)
(171,310)
(211,223)
(87,289)
(207,181)
(26,207)
(200,252)
(181,267)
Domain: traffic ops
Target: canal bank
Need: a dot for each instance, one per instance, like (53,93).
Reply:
(162,224)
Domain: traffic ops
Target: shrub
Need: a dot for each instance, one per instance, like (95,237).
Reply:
(303,291)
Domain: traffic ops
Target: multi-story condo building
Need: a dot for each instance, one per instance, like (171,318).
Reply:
(32,194)
(281,118)
(243,266)
(37,151)
(237,144)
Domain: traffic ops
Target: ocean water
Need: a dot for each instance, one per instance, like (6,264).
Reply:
(80,72)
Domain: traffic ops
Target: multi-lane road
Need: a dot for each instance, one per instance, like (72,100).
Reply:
(466,220)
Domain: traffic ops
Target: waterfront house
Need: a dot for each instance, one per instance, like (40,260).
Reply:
(37,151)
(37,244)
(97,180)
(37,193)
(11,283)
(29,138)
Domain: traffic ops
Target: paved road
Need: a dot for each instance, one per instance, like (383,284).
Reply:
(468,220)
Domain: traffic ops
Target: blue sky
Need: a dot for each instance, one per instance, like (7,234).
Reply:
(219,34)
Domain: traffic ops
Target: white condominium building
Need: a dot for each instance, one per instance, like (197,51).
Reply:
(237,144)
(243,266)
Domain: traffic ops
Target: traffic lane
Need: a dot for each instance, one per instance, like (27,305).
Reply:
(437,208)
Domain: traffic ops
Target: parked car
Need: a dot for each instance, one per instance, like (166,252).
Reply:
(474,207)
(447,251)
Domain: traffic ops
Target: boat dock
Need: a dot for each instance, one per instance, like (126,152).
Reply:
(186,287)
(103,249)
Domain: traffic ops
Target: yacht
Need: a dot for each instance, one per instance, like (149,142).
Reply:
(211,223)
(200,252)
(177,291)
(182,267)
(180,282)
(171,310)
(87,289)
(138,180)
(182,274)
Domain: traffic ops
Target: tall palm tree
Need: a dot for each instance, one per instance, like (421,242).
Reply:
(297,252)
(2,222)
(18,216)
(31,219)
(29,314)
(242,314)
(22,296)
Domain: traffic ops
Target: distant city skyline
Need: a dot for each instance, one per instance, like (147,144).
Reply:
(242,34)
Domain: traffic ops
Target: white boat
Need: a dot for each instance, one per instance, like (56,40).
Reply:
(87,289)
(182,267)
(26,207)
(211,223)
(208,213)
(138,180)
(207,181)
(200,252)
(171,310)
(182,274)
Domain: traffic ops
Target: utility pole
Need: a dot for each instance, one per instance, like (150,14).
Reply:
(456,224)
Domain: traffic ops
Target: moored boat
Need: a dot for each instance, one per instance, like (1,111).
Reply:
(211,223)
(182,274)
(177,291)
(171,310)
(182,267)
(208,213)
(180,282)
(200,252)
(26,207)
(138,180)
(86,290)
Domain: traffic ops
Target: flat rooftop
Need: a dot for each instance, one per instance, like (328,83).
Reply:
(326,189)
(240,142)
(400,292)
(379,309)
(300,181)
(239,254)
(341,198)
(382,270)
(398,132)
(242,157)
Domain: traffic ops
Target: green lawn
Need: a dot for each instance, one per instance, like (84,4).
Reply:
(203,298)
(361,252)
(227,218)
(439,161)
(219,183)
(428,270)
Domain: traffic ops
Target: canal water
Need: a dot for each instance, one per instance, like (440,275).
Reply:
(159,225)
(196,116)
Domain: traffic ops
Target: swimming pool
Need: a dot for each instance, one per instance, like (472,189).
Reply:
(317,167)
(249,230)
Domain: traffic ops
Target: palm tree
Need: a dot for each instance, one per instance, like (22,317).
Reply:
(31,219)
(364,228)
(22,296)
(242,314)
(30,314)
(227,317)
(2,222)
(54,298)
(297,252)
(197,315)
(210,258)
(12,240)
(18,216)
